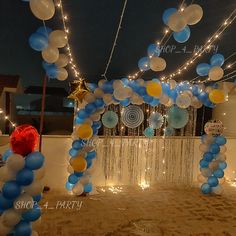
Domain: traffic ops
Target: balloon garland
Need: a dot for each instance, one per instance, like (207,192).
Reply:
(22,187)
(213,161)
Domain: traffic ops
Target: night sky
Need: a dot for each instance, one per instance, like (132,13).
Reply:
(93,25)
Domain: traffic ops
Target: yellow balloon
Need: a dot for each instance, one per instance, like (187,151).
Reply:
(154,89)
(217,96)
(85,131)
(79,164)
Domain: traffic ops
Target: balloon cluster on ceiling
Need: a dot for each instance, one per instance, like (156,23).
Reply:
(213,160)
(21,183)
(49,42)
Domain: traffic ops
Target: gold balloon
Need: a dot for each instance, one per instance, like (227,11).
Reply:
(62,61)
(157,64)
(154,89)
(50,54)
(193,14)
(78,90)
(216,73)
(84,131)
(58,38)
(177,21)
(79,164)
(62,74)
(42,9)
(217,96)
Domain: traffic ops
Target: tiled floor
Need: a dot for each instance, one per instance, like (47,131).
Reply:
(152,212)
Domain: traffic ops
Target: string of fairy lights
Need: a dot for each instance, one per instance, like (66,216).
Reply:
(7,118)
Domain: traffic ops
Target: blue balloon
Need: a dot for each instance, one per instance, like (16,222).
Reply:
(25,177)
(203,97)
(97,124)
(217,60)
(155,102)
(32,214)
(77,144)
(38,42)
(165,88)
(79,174)
(107,87)
(183,35)
(144,64)
(90,108)
(51,70)
(154,50)
(218,173)
(44,30)
(89,163)
(6,154)
(5,203)
(95,131)
(203,69)
(69,186)
(195,90)
(167,13)
(99,103)
(173,94)
(79,121)
(82,114)
(38,197)
(23,228)
(91,155)
(125,81)
(214,148)
(73,179)
(92,86)
(125,102)
(212,181)
(11,190)
(208,156)
(73,152)
(34,161)
(222,165)
(203,163)
(220,140)
(88,188)
(148,99)
(142,91)
(206,189)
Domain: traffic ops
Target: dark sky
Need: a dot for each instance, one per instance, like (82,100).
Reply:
(93,26)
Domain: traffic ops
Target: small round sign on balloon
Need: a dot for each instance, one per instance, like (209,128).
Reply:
(214,127)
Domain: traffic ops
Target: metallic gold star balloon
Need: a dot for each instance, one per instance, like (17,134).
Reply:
(78,90)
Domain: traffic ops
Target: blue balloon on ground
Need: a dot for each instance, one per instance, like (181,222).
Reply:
(203,163)
(99,103)
(69,186)
(5,203)
(218,173)
(220,140)
(125,102)
(82,114)
(214,148)
(23,228)
(73,179)
(44,30)
(34,161)
(32,214)
(167,13)
(206,189)
(149,132)
(217,60)
(38,42)
(73,152)
(88,188)
(213,181)
(38,197)
(25,177)
(177,118)
(208,156)
(153,50)
(222,165)
(144,64)
(11,190)
(183,35)
(203,69)
(6,154)
(90,108)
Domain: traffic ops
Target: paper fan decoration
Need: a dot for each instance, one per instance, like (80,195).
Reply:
(156,120)
(132,116)
(110,119)
(177,118)
(149,132)
(169,131)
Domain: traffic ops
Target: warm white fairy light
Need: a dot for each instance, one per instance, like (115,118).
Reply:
(7,118)
(144,185)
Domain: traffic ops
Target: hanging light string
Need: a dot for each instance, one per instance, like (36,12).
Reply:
(229,21)
(115,41)
(64,17)
(7,118)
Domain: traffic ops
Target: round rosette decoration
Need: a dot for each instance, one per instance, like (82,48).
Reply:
(214,127)
(149,132)
(156,120)
(110,119)
(169,131)
(132,116)
(177,118)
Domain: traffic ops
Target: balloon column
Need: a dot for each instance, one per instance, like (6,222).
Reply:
(21,184)
(213,161)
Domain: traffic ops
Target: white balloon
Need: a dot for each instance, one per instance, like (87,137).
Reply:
(107,98)
(193,14)
(95,116)
(89,97)
(34,233)
(213,165)
(10,218)
(88,148)
(217,190)
(34,189)
(169,103)
(62,74)
(70,169)
(15,162)
(62,61)
(136,99)
(172,83)
(4,230)
(203,147)
(122,93)
(201,178)
(82,153)
(177,21)
(220,157)
(118,84)
(183,101)
(58,38)
(42,9)
(88,121)
(6,174)
(196,103)
(78,189)
(223,149)
(101,110)
(40,173)
(23,203)
(206,172)
(98,92)
(101,82)
(141,82)
(157,64)
(164,99)
(50,54)
(216,73)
